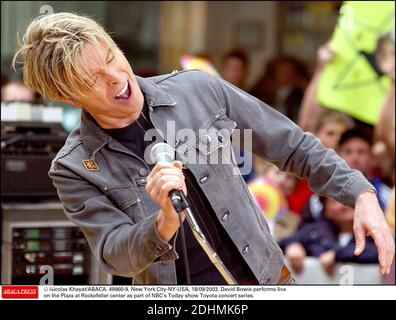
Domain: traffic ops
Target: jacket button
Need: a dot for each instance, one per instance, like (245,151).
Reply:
(203,179)
(177,142)
(143,172)
(141,181)
(221,139)
(205,138)
(225,217)
(245,249)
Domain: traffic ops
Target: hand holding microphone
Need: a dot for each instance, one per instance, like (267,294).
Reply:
(167,187)
(165,177)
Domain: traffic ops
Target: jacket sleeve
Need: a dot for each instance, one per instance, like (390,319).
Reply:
(122,247)
(279,140)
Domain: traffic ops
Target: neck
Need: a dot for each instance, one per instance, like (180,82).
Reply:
(110,121)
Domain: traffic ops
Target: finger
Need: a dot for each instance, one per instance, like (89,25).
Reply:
(163,194)
(380,243)
(178,164)
(382,270)
(294,265)
(159,166)
(155,175)
(300,265)
(154,189)
(325,267)
(360,238)
(392,258)
(164,180)
(390,250)
(153,195)
(166,172)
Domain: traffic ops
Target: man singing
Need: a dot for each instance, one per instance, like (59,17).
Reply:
(120,200)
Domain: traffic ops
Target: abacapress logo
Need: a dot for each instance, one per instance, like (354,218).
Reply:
(19,292)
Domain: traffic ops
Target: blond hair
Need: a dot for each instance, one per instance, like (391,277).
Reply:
(333,116)
(53,63)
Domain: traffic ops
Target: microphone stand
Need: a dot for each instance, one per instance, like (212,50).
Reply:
(180,203)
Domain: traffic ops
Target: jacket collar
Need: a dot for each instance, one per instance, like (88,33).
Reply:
(92,135)
(154,94)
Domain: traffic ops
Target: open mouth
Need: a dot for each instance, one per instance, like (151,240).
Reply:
(125,92)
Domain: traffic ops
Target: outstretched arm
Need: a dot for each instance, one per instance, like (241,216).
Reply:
(384,129)
(310,109)
(279,140)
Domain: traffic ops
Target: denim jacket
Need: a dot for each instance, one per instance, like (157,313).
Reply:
(101,183)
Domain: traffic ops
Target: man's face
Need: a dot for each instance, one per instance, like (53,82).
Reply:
(338,213)
(356,152)
(234,72)
(116,99)
(285,181)
(330,133)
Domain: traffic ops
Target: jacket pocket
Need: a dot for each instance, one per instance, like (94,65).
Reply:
(215,136)
(212,146)
(125,199)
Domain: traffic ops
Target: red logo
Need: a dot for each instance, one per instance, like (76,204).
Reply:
(19,292)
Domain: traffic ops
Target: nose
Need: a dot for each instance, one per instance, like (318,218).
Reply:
(113,77)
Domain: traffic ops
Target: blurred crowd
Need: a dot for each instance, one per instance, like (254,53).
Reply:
(304,223)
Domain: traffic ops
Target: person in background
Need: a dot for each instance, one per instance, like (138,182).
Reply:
(390,216)
(235,68)
(282,85)
(310,109)
(285,181)
(16,91)
(328,129)
(269,190)
(330,239)
(355,148)
(385,128)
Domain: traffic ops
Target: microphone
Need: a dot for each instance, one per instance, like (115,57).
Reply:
(163,152)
